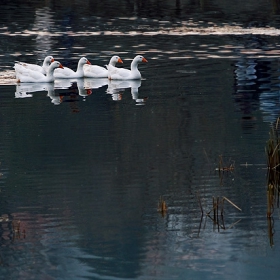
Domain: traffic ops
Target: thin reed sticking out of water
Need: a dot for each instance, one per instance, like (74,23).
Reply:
(272,149)
(273,169)
(222,167)
(162,207)
(218,211)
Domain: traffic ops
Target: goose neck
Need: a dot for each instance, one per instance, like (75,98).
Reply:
(134,65)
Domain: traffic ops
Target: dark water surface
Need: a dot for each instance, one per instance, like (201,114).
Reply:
(84,162)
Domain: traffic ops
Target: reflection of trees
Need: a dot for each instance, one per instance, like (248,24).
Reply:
(276,6)
(256,83)
(141,8)
(43,24)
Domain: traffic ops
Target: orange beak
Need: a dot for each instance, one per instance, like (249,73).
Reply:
(60,66)
(88,62)
(52,60)
(120,61)
(144,59)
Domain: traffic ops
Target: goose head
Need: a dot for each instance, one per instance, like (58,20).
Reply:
(115,59)
(137,59)
(140,58)
(54,65)
(49,59)
(83,61)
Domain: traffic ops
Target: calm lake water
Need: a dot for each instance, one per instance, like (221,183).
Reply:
(85,162)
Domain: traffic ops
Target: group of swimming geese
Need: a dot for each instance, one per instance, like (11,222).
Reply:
(51,70)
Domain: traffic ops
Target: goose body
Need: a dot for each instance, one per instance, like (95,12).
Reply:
(95,71)
(42,69)
(115,73)
(67,73)
(25,75)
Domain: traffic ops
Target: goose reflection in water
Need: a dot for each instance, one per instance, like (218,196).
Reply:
(72,88)
(117,87)
(94,83)
(80,87)
(23,90)
(22,94)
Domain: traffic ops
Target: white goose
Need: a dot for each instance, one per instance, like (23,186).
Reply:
(67,73)
(42,69)
(95,71)
(25,75)
(115,73)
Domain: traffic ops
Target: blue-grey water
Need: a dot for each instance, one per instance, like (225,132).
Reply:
(84,163)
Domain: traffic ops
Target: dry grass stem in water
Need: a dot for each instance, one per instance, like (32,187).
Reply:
(273,169)
(223,167)
(162,207)
(218,209)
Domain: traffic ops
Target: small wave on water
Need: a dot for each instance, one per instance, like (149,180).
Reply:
(7,77)
(161,28)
